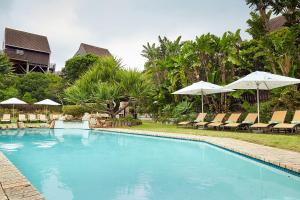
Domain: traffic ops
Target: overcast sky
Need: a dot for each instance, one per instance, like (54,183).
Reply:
(122,26)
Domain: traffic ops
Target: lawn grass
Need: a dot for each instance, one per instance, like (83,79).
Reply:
(289,142)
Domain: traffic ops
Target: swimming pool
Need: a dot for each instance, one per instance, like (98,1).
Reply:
(84,164)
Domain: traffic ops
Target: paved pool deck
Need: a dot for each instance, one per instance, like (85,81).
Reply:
(286,159)
(13,185)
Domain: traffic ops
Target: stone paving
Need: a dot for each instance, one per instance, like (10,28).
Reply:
(13,185)
(283,158)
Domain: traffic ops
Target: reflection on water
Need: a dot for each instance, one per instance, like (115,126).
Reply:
(53,185)
(54,136)
(45,144)
(140,189)
(10,146)
(72,125)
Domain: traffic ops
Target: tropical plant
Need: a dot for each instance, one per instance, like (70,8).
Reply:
(106,85)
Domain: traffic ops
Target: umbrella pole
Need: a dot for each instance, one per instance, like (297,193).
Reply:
(202,102)
(257,92)
(13,110)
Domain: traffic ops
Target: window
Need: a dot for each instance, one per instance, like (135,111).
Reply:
(19,52)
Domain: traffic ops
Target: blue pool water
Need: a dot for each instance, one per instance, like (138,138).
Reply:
(83,164)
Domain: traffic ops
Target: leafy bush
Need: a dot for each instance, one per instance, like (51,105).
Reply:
(180,112)
(75,110)
(5,64)
(126,121)
(78,65)
(182,108)
(40,86)
(28,98)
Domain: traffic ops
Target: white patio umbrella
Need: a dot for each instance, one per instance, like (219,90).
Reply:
(202,88)
(47,102)
(262,81)
(13,101)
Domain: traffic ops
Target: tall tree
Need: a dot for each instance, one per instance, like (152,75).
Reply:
(256,25)
(261,7)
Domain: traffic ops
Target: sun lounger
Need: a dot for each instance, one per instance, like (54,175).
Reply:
(218,118)
(32,118)
(42,118)
(249,120)
(54,116)
(6,118)
(289,127)
(200,118)
(278,117)
(22,118)
(233,118)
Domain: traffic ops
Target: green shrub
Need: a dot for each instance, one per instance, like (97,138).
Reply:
(126,121)
(75,110)
(28,98)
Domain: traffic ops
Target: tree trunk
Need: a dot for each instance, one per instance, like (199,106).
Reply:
(223,80)
(263,14)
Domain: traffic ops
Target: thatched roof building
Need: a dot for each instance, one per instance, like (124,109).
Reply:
(277,23)
(86,49)
(27,51)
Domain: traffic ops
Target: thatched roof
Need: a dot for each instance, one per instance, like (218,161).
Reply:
(276,23)
(25,40)
(86,48)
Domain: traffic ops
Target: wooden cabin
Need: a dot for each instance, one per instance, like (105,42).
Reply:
(27,51)
(86,49)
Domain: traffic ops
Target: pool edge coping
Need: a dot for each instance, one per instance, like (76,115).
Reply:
(282,166)
(13,184)
(19,187)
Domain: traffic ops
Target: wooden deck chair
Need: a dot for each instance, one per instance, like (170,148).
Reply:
(286,126)
(200,118)
(42,118)
(233,118)
(248,121)
(277,118)
(22,118)
(218,118)
(32,118)
(6,118)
